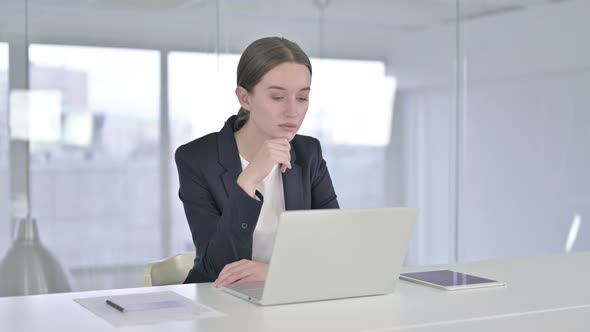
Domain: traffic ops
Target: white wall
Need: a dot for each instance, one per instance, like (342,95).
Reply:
(526,128)
(527,161)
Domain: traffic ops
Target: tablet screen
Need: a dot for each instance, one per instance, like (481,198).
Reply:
(447,278)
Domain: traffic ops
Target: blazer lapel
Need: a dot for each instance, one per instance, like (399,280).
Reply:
(229,157)
(293,185)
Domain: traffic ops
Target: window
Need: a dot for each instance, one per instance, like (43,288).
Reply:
(351,109)
(95,189)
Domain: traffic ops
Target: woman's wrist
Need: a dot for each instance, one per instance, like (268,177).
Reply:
(246,185)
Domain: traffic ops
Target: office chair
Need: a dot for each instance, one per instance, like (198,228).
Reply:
(170,271)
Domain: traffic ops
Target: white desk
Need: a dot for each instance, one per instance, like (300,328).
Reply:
(543,293)
(570,320)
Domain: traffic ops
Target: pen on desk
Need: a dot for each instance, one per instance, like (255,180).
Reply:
(114,305)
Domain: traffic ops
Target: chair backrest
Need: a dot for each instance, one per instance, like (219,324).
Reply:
(169,271)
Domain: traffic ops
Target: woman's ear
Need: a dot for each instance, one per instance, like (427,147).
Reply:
(243,97)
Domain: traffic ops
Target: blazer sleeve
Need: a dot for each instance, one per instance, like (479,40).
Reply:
(323,195)
(220,237)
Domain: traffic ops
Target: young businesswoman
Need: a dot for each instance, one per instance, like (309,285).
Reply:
(235,183)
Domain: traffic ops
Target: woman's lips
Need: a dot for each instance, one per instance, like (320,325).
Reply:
(288,126)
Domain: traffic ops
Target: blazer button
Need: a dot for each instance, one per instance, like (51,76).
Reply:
(244,225)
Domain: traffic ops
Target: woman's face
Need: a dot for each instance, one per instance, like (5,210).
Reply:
(279,102)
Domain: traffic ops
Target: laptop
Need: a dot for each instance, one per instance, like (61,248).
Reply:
(332,254)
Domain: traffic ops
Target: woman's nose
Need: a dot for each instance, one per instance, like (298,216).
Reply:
(292,109)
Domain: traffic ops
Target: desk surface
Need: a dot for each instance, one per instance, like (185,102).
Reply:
(540,291)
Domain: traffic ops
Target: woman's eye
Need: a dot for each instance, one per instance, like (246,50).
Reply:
(277,98)
(302,99)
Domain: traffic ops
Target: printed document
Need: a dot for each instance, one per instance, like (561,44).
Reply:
(146,308)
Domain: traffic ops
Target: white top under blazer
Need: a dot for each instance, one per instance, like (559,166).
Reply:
(271,189)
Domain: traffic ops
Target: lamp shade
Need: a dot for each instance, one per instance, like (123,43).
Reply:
(28,267)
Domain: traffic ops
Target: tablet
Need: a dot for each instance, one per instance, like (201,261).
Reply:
(450,280)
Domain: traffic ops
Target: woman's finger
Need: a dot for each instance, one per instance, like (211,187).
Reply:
(227,270)
(237,275)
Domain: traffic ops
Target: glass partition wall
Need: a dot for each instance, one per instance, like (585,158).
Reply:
(456,107)
(525,172)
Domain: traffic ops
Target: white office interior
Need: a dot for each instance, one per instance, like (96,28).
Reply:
(474,111)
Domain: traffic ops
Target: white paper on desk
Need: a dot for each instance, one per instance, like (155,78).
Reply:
(147,308)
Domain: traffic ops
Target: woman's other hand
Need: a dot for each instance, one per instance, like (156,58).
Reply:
(241,271)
